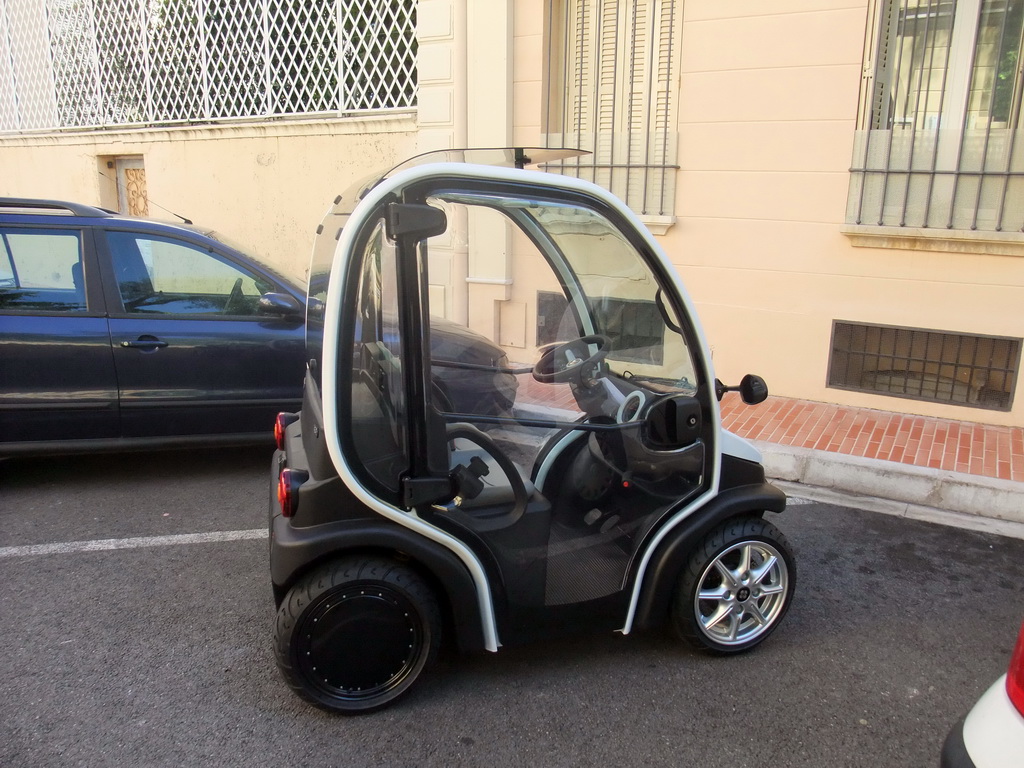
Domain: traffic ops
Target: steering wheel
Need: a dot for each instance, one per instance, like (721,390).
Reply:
(520,496)
(234,305)
(571,360)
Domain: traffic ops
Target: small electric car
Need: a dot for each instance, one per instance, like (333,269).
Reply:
(605,497)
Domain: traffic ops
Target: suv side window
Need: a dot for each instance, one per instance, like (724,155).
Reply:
(160,275)
(41,270)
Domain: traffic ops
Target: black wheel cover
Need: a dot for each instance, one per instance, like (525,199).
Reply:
(361,642)
(354,635)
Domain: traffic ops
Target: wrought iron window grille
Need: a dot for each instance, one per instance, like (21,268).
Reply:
(612,78)
(939,143)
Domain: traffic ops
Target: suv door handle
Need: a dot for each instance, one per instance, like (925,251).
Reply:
(144,343)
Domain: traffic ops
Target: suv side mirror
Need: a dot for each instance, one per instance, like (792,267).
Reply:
(752,389)
(280,304)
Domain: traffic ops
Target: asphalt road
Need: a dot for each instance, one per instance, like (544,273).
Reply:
(160,654)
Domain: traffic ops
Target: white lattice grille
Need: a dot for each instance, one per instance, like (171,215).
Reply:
(177,44)
(377,72)
(235,44)
(25,67)
(303,56)
(93,63)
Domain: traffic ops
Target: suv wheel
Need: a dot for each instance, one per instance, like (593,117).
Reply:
(736,587)
(354,635)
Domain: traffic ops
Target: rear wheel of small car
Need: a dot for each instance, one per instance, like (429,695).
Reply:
(355,635)
(736,587)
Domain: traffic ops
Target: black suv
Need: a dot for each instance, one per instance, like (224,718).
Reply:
(120,333)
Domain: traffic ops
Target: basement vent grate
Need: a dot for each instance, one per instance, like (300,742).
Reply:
(920,364)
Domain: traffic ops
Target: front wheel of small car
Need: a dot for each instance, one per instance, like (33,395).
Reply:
(736,587)
(354,635)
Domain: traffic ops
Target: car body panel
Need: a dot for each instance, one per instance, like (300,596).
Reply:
(44,396)
(990,736)
(994,730)
(57,380)
(212,376)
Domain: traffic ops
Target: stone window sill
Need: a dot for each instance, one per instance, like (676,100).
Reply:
(946,240)
(658,225)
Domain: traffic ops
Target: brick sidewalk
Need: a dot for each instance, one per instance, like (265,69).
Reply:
(957,446)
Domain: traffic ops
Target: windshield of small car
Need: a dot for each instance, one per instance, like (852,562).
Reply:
(600,283)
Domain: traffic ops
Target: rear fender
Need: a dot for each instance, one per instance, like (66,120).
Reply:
(295,551)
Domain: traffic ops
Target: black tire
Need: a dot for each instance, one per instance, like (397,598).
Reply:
(354,635)
(736,588)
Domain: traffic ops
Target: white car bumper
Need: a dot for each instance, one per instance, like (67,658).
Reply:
(991,736)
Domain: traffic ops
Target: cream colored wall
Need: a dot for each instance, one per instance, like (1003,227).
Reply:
(263,186)
(768,110)
(768,107)
(529,52)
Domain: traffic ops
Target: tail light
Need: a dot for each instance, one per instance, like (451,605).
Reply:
(280,425)
(288,483)
(1015,674)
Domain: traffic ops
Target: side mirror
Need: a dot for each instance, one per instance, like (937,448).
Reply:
(280,304)
(752,389)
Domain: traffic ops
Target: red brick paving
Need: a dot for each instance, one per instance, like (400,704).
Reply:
(957,446)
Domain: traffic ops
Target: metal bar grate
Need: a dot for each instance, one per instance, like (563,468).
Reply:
(613,71)
(920,364)
(941,146)
(112,63)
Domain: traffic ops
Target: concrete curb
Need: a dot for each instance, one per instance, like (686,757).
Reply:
(952,498)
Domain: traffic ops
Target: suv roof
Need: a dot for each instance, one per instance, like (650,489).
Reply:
(27,205)
(16,210)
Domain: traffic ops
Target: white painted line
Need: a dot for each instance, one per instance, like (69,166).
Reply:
(99,545)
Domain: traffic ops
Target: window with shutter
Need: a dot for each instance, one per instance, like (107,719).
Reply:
(613,80)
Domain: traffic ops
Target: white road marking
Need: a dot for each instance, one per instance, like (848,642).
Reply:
(99,545)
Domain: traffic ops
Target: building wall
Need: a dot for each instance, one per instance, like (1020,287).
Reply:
(768,108)
(768,100)
(264,187)
(768,112)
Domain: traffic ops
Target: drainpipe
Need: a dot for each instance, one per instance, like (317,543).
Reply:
(460,138)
